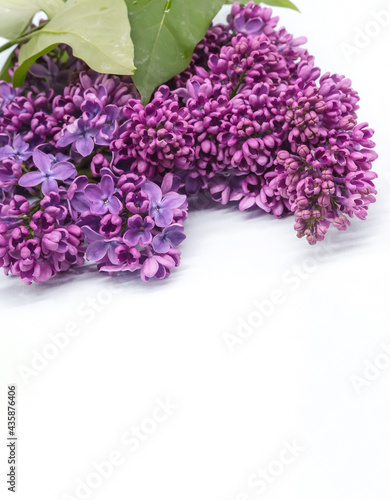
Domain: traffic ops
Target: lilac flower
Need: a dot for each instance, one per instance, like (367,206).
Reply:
(108,125)
(3,243)
(10,173)
(18,114)
(40,71)
(52,204)
(91,109)
(128,183)
(48,174)
(44,125)
(103,197)
(81,134)
(171,236)
(99,247)
(137,203)
(99,162)
(77,201)
(20,151)
(157,137)
(251,19)
(7,93)
(251,27)
(161,208)
(110,225)
(40,257)
(127,259)
(19,205)
(251,121)
(55,241)
(42,222)
(156,266)
(31,270)
(139,231)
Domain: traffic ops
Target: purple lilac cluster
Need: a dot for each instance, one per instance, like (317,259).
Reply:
(271,131)
(88,172)
(67,195)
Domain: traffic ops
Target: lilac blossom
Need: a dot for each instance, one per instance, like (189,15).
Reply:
(102,197)
(139,231)
(108,125)
(20,151)
(48,174)
(251,121)
(80,134)
(77,201)
(171,236)
(137,202)
(156,266)
(110,225)
(99,247)
(10,173)
(162,207)
(7,93)
(127,259)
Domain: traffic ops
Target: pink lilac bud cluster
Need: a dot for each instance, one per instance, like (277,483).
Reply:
(271,131)
(89,172)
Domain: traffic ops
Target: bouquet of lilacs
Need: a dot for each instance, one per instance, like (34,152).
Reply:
(91,170)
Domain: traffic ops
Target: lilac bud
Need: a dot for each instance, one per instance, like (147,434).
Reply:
(301,202)
(323,200)
(110,225)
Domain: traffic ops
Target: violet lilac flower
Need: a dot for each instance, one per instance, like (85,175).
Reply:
(127,259)
(162,207)
(77,201)
(107,124)
(48,174)
(102,197)
(7,93)
(10,173)
(20,151)
(80,134)
(139,231)
(171,236)
(100,247)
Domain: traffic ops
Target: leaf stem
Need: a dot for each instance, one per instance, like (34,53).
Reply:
(22,38)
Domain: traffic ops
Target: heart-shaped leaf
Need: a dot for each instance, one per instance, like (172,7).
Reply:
(16,15)
(97,30)
(164,35)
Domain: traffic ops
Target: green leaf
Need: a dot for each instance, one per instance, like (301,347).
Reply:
(97,30)
(16,15)
(4,70)
(280,3)
(164,35)
(51,7)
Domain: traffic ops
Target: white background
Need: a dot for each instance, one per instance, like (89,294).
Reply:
(292,382)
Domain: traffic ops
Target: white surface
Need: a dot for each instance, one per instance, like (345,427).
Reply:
(238,412)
